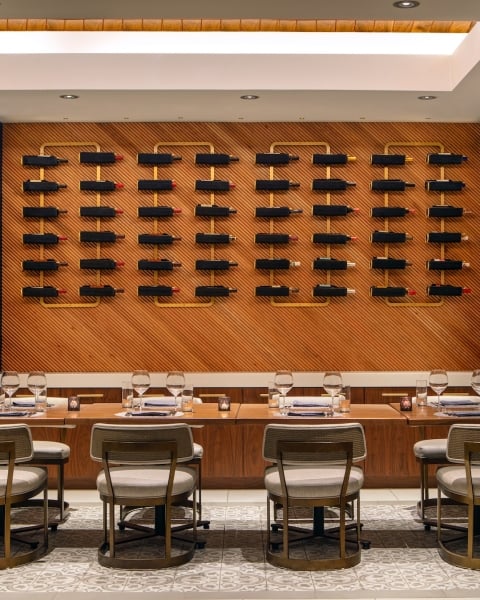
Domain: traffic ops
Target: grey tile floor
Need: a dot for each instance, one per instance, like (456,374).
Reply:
(402,562)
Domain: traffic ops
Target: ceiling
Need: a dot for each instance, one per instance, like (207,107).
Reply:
(145,76)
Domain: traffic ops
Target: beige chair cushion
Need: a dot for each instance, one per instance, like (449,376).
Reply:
(147,481)
(25,479)
(315,482)
(197,450)
(45,450)
(435,449)
(454,479)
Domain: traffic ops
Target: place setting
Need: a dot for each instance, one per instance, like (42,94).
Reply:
(453,405)
(21,407)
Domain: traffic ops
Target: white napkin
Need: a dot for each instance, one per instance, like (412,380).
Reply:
(310,401)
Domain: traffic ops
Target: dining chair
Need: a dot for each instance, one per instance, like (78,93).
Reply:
(313,467)
(429,452)
(20,482)
(144,466)
(460,482)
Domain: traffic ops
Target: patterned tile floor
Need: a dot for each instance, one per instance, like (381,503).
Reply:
(402,562)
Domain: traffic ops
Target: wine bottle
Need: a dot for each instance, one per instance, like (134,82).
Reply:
(214,238)
(444,185)
(162,264)
(274,185)
(42,185)
(446,237)
(100,158)
(274,238)
(100,185)
(446,264)
(332,159)
(156,158)
(276,211)
(100,263)
(214,265)
(47,291)
(99,237)
(385,160)
(326,290)
(332,210)
(155,185)
(327,185)
(385,262)
(42,212)
(213,210)
(275,263)
(158,211)
(437,289)
(390,211)
(211,291)
(158,239)
(332,238)
(326,263)
(99,290)
(213,185)
(42,160)
(42,238)
(445,158)
(157,290)
(275,290)
(390,237)
(446,210)
(274,158)
(99,211)
(391,291)
(214,159)
(390,185)
(50,264)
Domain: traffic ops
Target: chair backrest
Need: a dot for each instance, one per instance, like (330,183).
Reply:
(458,434)
(343,432)
(180,433)
(21,436)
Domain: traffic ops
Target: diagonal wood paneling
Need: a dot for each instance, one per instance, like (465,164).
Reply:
(241,333)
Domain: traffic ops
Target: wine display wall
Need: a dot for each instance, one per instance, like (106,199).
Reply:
(175,239)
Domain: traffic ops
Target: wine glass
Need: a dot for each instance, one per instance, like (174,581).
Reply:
(283,382)
(37,383)
(10,383)
(475,381)
(140,383)
(332,384)
(175,383)
(438,381)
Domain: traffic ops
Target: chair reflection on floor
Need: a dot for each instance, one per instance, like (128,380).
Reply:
(313,467)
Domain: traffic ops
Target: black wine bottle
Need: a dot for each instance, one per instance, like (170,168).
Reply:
(100,185)
(390,211)
(214,265)
(155,185)
(446,264)
(100,237)
(157,290)
(390,185)
(99,290)
(444,185)
(332,238)
(42,160)
(100,263)
(274,158)
(214,238)
(156,158)
(158,211)
(42,212)
(388,291)
(437,289)
(332,159)
(99,211)
(275,263)
(326,290)
(213,210)
(276,211)
(47,291)
(445,158)
(332,210)
(158,239)
(390,237)
(445,210)
(161,264)
(42,185)
(330,185)
(213,291)
(446,237)
(386,160)
(275,290)
(274,238)
(326,263)
(214,159)
(213,185)
(99,158)
(42,238)
(50,264)
(385,263)
(274,185)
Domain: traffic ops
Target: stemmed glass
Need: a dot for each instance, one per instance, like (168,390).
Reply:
(175,384)
(438,381)
(37,383)
(475,381)
(140,383)
(283,382)
(332,384)
(10,383)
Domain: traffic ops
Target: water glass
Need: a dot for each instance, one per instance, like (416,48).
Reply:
(344,399)
(421,389)
(187,400)
(41,401)
(127,395)
(273,395)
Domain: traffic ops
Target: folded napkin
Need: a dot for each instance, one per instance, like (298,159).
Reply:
(448,402)
(310,401)
(309,413)
(159,401)
(16,413)
(447,399)
(26,403)
(463,413)
(150,413)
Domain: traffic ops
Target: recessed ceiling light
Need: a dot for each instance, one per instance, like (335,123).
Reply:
(427,97)
(406,4)
(249,97)
(69,96)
